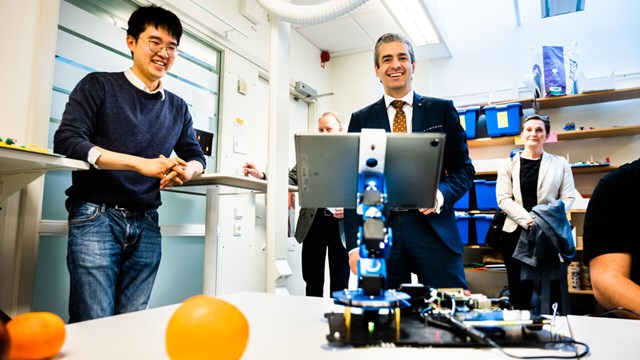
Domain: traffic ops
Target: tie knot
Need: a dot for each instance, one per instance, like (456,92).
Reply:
(398,104)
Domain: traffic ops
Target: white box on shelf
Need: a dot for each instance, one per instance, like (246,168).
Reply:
(486,165)
(586,85)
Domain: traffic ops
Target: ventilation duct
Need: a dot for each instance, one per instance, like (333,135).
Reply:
(309,14)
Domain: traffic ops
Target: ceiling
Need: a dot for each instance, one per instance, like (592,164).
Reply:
(349,34)
(358,31)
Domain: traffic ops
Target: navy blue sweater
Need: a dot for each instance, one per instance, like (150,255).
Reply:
(106,110)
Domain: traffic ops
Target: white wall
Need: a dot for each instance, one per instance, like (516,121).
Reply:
(489,49)
(26,76)
(16,72)
(354,83)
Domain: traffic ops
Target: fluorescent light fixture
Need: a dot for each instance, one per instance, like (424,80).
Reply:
(413,17)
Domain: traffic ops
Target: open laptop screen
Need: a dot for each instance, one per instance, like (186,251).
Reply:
(328,169)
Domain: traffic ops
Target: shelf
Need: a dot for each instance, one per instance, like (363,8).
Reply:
(552,102)
(562,136)
(575,170)
(593,169)
(581,292)
(497,141)
(588,98)
(599,133)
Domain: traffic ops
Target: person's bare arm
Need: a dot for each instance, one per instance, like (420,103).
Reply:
(612,285)
(250,169)
(158,167)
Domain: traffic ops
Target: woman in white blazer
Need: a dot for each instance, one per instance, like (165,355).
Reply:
(529,178)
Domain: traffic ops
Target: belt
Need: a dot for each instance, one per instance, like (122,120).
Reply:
(129,208)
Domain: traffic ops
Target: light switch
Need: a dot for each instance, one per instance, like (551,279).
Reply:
(242,87)
(237,228)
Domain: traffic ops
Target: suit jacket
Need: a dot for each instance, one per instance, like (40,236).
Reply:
(555,182)
(306,215)
(456,177)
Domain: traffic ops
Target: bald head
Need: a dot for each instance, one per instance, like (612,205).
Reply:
(329,123)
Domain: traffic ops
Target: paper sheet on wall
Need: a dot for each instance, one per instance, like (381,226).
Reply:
(240,141)
(203,103)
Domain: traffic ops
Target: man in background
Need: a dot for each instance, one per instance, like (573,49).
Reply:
(318,230)
(425,241)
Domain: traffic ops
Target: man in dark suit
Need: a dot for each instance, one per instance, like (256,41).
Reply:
(319,230)
(425,241)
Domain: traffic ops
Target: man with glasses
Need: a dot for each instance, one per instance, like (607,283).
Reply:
(127,126)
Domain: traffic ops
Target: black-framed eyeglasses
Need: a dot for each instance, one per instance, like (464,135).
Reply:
(156,46)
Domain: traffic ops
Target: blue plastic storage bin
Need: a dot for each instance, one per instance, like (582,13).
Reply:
(468,118)
(486,194)
(463,227)
(463,203)
(503,119)
(483,221)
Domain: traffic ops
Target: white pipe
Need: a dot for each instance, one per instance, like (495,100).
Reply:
(516,8)
(309,14)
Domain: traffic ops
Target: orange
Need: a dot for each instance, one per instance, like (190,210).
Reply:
(35,335)
(205,327)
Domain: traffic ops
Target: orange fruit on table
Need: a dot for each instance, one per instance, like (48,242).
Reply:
(35,335)
(205,327)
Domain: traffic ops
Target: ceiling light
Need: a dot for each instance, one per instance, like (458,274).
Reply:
(413,17)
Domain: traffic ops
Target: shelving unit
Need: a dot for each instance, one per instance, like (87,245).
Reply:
(577,216)
(579,99)
(599,133)
(485,142)
(576,170)
(563,136)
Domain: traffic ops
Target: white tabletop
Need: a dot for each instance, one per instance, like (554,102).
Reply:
(608,338)
(18,168)
(294,327)
(203,182)
(19,161)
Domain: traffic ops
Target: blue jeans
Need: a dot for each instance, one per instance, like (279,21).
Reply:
(112,257)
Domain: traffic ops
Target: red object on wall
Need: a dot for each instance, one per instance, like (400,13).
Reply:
(324,57)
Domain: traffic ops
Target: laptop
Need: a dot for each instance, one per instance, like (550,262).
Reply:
(328,169)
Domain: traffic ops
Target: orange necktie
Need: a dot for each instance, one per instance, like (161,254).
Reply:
(400,120)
